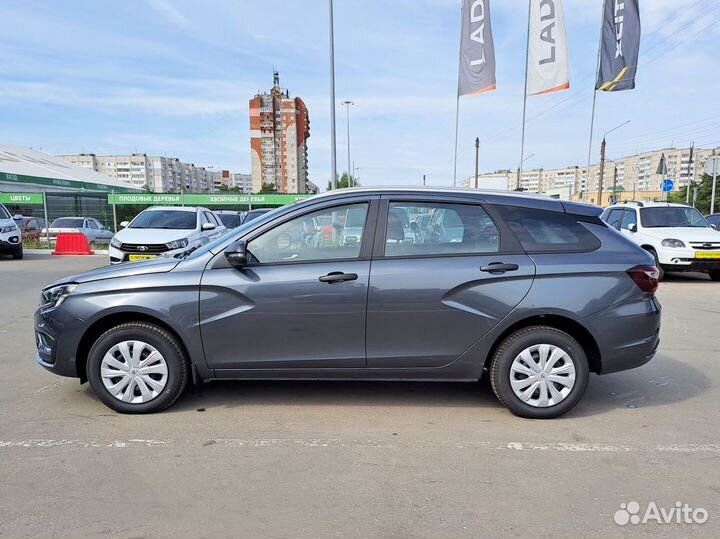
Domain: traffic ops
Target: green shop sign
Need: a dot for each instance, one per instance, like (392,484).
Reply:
(170,199)
(57,182)
(21,198)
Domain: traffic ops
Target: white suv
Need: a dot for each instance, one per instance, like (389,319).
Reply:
(164,231)
(10,235)
(678,236)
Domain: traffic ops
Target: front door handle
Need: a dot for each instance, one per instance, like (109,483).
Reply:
(338,277)
(499,267)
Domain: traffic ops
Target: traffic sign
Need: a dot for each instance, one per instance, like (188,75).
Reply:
(668,186)
(712,165)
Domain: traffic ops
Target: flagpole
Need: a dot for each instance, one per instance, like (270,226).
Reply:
(457,99)
(457,125)
(592,117)
(527,57)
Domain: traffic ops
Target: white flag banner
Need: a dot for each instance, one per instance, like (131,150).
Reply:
(547,54)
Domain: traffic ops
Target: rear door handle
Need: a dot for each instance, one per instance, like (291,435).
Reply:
(338,277)
(499,267)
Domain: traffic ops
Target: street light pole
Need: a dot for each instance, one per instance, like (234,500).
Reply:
(477,159)
(602,162)
(350,171)
(333,148)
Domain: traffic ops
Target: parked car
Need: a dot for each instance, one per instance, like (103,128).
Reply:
(231,219)
(254,214)
(676,235)
(713,220)
(164,231)
(94,230)
(10,235)
(31,227)
(548,295)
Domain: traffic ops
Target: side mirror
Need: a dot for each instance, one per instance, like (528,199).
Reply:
(715,227)
(124,224)
(208,226)
(236,253)
(632,227)
(17,217)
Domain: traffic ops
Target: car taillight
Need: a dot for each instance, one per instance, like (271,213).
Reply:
(646,277)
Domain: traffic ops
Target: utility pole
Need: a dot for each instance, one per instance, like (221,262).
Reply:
(333,148)
(615,185)
(602,172)
(477,159)
(349,170)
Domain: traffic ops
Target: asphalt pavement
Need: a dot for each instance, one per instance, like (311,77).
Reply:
(359,459)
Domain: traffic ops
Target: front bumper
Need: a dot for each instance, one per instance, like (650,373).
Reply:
(117,256)
(10,244)
(686,260)
(57,335)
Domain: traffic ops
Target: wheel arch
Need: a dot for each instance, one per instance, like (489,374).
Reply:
(100,326)
(573,328)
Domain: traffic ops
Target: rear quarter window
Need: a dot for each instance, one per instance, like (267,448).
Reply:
(541,231)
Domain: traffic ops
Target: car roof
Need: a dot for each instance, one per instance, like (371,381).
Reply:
(510,198)
(176,208)
(643,204)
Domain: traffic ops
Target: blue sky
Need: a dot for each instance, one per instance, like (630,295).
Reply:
(174,77)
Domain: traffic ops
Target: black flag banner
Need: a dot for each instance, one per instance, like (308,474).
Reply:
(620,46)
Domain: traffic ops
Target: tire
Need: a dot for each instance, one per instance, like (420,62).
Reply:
(18,254)
(714,275)
(661,271)
(151,339)
(504,361)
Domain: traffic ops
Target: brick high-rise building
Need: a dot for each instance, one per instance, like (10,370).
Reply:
(279,129)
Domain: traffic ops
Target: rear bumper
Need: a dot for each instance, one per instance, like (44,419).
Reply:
(628,333)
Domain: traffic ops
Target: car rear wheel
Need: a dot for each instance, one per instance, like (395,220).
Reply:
(137,368)
(539,372)
(18,254)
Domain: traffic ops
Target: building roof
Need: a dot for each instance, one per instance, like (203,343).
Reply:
(28,167)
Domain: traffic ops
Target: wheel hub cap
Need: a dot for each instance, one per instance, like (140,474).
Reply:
(542,375)
(134,372)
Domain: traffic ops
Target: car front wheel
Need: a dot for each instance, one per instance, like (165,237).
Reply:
(539,372)
(714,275)
(137,368)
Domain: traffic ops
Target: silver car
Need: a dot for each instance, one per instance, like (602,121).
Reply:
(94,230)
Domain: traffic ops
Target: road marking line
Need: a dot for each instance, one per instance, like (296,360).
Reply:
(383,444)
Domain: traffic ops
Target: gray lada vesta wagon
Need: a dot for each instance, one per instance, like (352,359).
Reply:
(377,284)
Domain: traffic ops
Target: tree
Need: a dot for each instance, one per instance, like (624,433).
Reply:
(703,198)
(268,188)
(344,181)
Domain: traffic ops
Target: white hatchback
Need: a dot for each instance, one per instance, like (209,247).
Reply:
(678,236)
(164,231)
(10,234)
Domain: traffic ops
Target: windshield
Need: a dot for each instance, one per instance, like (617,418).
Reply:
(67,222)
(239,231)
(671,217)
(167,219)
(4,213)
(254,214)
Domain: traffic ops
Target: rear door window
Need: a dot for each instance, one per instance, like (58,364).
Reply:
(629,218)
(542,231)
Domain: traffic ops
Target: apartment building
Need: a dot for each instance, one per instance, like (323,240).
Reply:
(157,173)
(241,182)
(279,129)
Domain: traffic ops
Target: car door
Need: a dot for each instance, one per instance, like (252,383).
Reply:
(301,300)
(90,230)
(433,296)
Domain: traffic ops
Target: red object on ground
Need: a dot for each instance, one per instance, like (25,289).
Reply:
(72,243)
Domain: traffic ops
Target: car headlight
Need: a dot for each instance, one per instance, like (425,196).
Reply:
(9,228)
(115,243)
(52,297)
(177,244)
(672,242)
